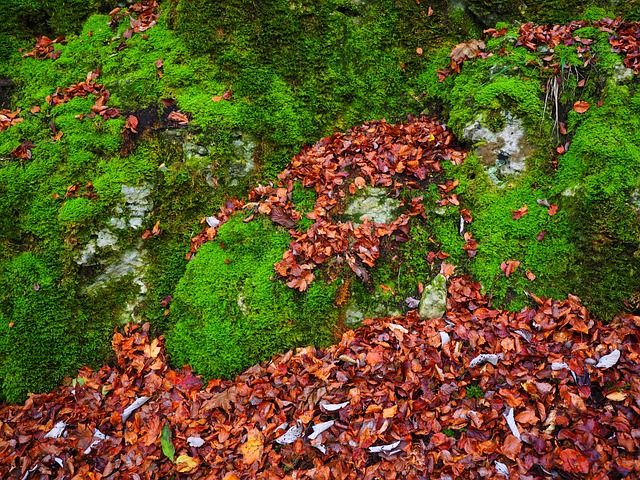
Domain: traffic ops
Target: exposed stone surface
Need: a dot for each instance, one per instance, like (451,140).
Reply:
(243,163)
(503,152)
(433,303)
(373,204)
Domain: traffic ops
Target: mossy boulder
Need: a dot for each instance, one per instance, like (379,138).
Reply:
(43,336)
(229,310)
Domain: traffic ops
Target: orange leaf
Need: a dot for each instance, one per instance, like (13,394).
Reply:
(553,209)
(573,461)
(521,212)
(419,51)
(581,106)
(446,269)
(390,412)
(252,449)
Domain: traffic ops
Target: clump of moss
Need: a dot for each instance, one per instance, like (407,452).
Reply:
(42,336)
(230,312)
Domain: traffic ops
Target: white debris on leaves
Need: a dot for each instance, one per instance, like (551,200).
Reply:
(492,358)
(99,436)
(333,407)
(319,428)
(512,423)
(133,407)
(444,338)
(609,360)
(389,449)
(57,430)
(501,469)
(195,442)
(291,435)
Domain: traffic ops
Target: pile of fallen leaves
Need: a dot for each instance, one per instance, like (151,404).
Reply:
(625,39)
(9,118)
(544,393)
(45,48)
(377,154)
(84,89)
(142,16)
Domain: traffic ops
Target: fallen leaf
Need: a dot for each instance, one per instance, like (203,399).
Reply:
(574,462)
(553,209)
(167,443)
(530,275)
(519,213)
(509,267)
(581,107)
(617,396)
(253,447)
(186,464)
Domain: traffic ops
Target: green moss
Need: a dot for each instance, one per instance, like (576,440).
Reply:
(474,391)
(230,311)
(41,338)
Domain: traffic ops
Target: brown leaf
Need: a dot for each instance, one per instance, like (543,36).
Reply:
(159,63)
(530,275)
(511,447)
(519,213)
(179,118)
(280,216)
(581,107)
(447,269)
(509,267)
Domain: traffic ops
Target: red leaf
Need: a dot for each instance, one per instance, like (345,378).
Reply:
(574,462)
(521,212)
(541,235)
(509,267)
(159,63)
(553,209)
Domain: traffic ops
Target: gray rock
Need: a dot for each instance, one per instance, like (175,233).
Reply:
(373,204)
(433,303)
(138,203)
(243,164)
(353,316)
(106,239)
(504,152)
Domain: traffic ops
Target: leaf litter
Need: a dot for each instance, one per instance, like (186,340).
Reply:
(547,408)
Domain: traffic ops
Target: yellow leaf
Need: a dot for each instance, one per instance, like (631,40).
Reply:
(252,448)
(617,396)
(185,463)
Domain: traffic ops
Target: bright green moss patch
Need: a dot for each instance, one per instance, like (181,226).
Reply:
(42,336)
(229,310)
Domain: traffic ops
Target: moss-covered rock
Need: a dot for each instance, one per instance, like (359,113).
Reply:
(42,335)
(229,310)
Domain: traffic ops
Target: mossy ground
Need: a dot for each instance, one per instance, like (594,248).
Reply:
(296,72)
